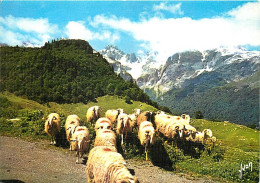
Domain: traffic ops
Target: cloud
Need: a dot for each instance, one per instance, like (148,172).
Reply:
(175,9)
(240,26)
(18,30)
(78,30)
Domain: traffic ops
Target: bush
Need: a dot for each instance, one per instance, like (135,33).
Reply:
(198,115)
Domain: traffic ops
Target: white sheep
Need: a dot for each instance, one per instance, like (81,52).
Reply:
(103,123)
(105,137)
(146,135)
(201,137)
(93,113)
(113,114)
(105,165)
(52,126)
(71,123)
(123,126)
(80,141)
(186,118)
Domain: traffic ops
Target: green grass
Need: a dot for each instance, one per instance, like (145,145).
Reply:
(232,135)
(236,144)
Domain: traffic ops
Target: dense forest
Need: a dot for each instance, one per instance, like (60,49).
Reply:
(63,71)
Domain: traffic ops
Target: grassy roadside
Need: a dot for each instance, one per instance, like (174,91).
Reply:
(236,144)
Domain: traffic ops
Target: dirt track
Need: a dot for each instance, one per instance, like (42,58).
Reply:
(22,161)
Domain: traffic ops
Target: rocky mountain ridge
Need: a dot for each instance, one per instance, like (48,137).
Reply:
(222,79)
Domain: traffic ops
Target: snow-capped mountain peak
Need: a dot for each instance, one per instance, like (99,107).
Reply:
(131,63)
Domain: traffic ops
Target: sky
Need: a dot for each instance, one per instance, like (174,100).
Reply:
(165,27)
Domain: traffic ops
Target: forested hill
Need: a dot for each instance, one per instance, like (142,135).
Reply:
(64,71)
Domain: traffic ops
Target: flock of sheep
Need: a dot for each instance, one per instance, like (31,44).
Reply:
(104,163)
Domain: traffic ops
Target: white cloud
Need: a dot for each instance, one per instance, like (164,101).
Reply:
(175,9)
(78,30)
(168,36)
(16,30)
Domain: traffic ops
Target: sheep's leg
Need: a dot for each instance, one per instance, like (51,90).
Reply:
(146,156)
(70,148)
(77,161)
(122,139)
(52,141)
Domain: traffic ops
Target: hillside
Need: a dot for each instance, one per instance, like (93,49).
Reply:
(64,71)
(236,102)
(236,144)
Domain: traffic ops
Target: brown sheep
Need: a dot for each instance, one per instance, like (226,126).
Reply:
(80,141)
(105,165)
(145,116)
(52,126)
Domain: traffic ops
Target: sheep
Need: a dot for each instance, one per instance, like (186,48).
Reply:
(146,135)
(93,113)
(103,123)
(106,165)
(145,116)
(160,118)
(52,126)
(123,126)
(133,117)
(172,126)
(186,118)
(113,114)
(171,130)
(80,141)
(71,123)
(201,137)
(105,137)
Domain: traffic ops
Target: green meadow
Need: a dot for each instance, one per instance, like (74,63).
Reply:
(236,145)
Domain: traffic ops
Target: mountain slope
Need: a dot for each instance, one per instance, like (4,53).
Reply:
(235,102)
(200,80)
(129,64)
(65,71)
(195,67)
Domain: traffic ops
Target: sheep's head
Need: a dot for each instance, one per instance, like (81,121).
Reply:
(207,133)
(71,130)
(149,115)
(125,121)
(97,110)
(51,119)
(104,125)
(120,111)
(185,117)
(137,112)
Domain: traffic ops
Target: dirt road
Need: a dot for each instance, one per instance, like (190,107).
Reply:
(29,162)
